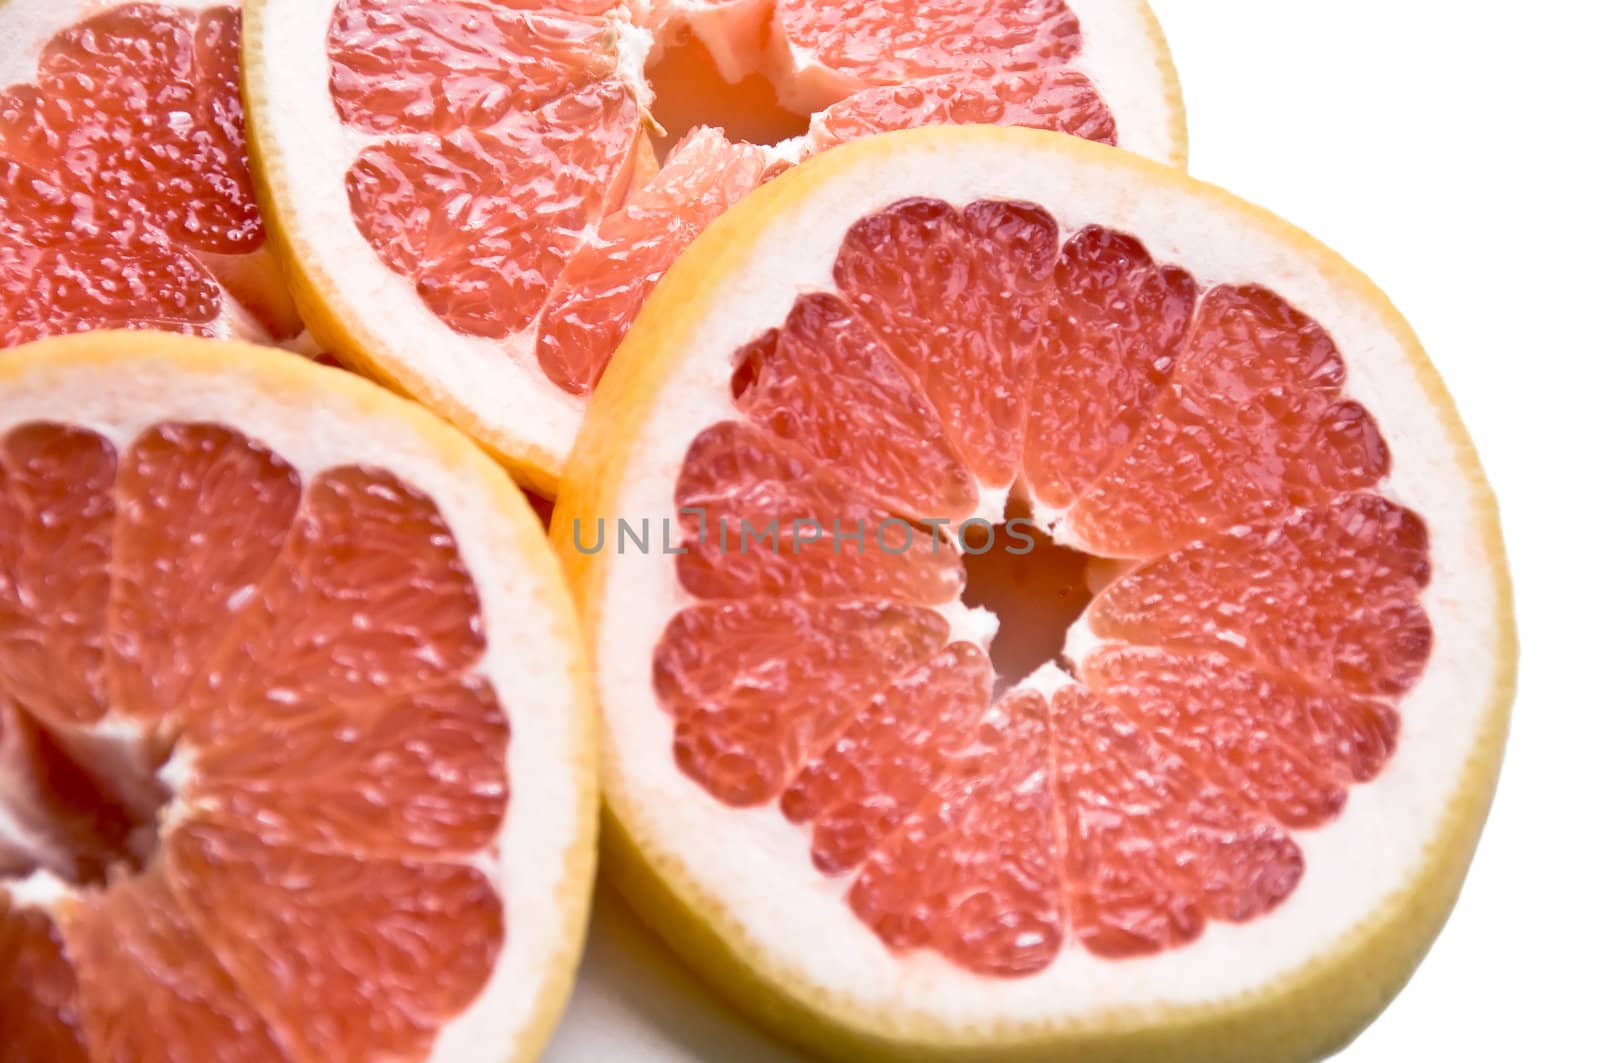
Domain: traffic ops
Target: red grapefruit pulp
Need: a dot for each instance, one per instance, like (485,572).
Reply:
(125,199)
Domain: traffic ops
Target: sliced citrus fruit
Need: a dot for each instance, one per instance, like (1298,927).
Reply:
(471,204)
(294,736)
(125,201)
(1087,633)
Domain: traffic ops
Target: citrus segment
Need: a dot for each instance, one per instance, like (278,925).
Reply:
(973,870)
(419,775)
(154,62)
(606,282)
(366,546)
(135,934)
(1154,849)
(41,1023)
(125,199)
(460,217)
(436,67)
(749,524)
(346,957)
(980,324)
(1330,595)
(760,687)
(1253,424)
(57,512)
(204,514)
(857,789)
(1063,100)
(484,220)
(1117,322)
(1282,748)
(268,793)
(825,384)
(885,42)
(1255,648)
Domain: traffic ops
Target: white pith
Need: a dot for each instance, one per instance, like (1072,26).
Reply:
(527,657)
(755,864)
(472,380)
(1115,56)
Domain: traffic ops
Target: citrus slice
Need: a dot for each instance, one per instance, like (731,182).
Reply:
(1086,632)
(125,201)
(470,200)
(294,735)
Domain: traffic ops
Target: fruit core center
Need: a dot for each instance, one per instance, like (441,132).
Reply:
(691,92)
(1034,587)
(82,807)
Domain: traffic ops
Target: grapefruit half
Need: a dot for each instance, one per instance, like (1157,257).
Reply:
(1086,633)
(295,737)
(471,205)
(125,200)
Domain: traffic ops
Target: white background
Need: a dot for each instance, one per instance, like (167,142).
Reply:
(1450,148)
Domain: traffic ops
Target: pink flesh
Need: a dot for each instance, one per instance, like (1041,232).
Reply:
(1053,98)
(125,200)
(605,283)
(888,42)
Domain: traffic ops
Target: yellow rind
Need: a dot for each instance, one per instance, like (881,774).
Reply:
(289,375)
(335,324)
(1177,113)
(1305,1015)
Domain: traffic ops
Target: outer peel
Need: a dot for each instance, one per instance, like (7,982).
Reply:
(1319,1004)
(114,382)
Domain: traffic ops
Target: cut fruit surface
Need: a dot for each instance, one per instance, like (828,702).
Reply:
(1194,768)
(295,738)
(469,192)
(125,199)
